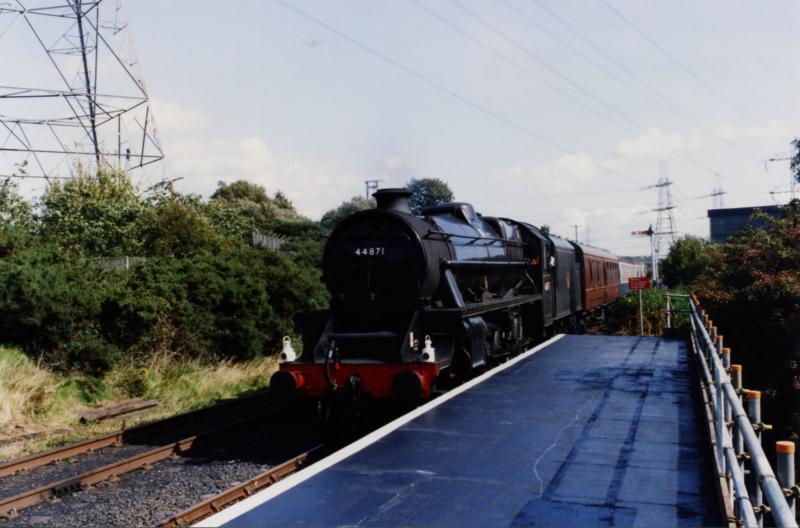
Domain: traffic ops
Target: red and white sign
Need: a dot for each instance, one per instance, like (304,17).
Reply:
(639,283)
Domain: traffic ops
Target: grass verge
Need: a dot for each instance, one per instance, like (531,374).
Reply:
(40,408)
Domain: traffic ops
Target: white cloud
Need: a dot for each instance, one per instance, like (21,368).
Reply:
(774,129)
(316,188)
(565,175)
(393,171)
(313,188)
(206,162)
(653,144)
(394,162)
(172,116)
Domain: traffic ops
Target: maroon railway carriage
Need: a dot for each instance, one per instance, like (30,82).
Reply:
(600,280)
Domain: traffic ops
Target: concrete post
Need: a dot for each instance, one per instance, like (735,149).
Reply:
(785,469)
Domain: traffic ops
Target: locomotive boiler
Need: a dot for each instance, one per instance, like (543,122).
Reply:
(421,302)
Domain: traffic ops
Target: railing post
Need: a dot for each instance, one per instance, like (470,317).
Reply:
(641,316)
(719,417)
(669,312)
(785,470)
(726,364)
(753,398)
(738,440)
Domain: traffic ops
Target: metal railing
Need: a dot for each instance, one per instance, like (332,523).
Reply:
(745,475)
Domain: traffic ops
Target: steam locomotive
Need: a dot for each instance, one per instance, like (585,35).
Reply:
(421,302)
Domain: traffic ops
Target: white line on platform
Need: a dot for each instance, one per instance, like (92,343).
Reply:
(301,476)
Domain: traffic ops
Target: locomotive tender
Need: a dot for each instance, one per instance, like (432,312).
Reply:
(425,301)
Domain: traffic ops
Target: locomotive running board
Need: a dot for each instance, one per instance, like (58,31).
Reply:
(476,309)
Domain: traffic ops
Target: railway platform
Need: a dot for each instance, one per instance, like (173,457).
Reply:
(579,431)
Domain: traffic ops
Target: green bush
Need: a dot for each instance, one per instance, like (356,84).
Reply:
(688,258)
(98,215)
(237,302)
(199,290)
(623,315)
(49,304)
(752,291)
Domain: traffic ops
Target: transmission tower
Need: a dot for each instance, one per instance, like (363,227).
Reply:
(717,201)
(664,234)
(72,93)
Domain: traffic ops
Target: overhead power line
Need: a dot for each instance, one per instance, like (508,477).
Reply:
(518,66)
(597,47)
(555,36)
(678,63)
(657,97)
(444,89)
(557,72)
(638,127)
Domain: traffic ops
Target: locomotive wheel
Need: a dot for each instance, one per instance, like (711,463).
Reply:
(461,366)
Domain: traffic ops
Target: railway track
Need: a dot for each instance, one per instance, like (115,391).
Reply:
(208,507)
(139,433)
(190,429)
(195,464)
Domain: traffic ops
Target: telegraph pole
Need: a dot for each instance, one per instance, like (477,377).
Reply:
(576,226)
(371,185)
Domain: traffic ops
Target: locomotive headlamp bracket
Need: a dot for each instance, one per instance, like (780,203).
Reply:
(428,354)
(287,354)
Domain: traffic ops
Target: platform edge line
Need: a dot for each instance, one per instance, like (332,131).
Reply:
(286,484)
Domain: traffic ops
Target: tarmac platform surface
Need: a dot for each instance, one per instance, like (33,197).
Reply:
(580,431)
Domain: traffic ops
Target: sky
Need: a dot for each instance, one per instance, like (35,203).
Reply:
(551,112)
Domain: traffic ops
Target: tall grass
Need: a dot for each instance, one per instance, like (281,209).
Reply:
(28,393)
(36,400)
(623,316)
(182,385)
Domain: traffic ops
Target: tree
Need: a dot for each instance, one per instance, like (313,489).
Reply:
(175,229)
(428,192)
(795,163)
(351,206)
(283,201)
(238,208)
(14,209)
(544,229)
(687,259)
(240,190)
(752,289)
(95,215)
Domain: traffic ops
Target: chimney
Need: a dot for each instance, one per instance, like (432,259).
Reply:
(393,200)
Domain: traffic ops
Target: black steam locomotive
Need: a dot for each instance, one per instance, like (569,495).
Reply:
(424,301)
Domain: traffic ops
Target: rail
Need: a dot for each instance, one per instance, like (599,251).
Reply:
(745,475)
(11,506)
(238,492)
